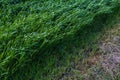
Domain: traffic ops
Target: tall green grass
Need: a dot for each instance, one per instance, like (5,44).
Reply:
(33,30)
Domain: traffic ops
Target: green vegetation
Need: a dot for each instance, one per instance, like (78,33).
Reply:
(35,35)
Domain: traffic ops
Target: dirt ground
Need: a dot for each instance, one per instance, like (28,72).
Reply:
(105,66)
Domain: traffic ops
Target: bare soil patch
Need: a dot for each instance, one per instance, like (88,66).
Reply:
(104,66)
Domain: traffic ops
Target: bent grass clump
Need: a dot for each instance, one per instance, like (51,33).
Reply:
(31,29)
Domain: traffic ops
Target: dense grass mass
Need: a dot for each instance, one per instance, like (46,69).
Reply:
(31,30)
